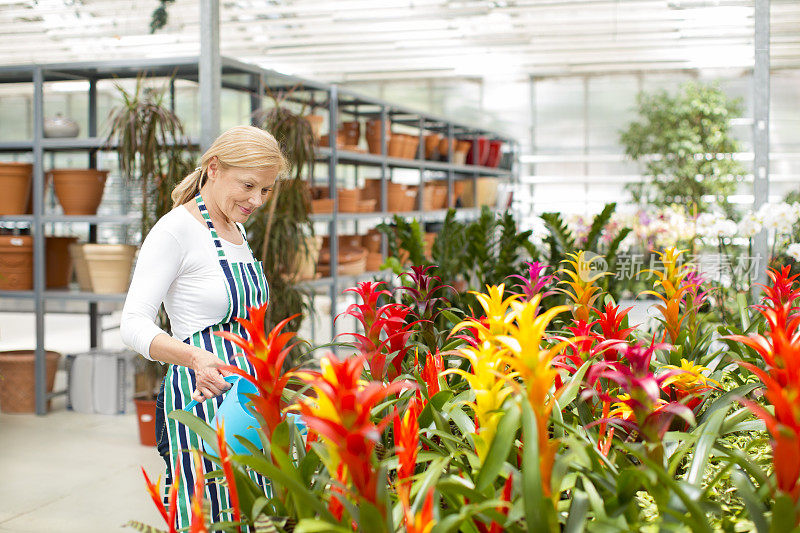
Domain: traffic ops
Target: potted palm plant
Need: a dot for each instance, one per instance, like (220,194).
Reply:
(283,221)
(153,156)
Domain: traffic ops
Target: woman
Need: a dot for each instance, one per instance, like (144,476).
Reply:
(196,261)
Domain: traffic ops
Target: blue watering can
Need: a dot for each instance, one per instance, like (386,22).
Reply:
(237,413)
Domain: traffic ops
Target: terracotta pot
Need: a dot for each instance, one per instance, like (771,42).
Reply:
(443,148)
(18,378)
(316,124)
(79,191)
(352,132)
(372,191)
(411,145)
(460,154)
(411,198)
(372,241)
(493,159)
(146,415)
(373,135)
(432,145)
(59,264)
(367,205)
(81,268)
(15,182)
(16,263)
(109,266)
(348,200)
(428,245)
(435,196)
(396,146)
(374,261)
(458,192)
(487,193)
(397,196)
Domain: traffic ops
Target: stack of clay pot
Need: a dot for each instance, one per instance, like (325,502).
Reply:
(320,200)
(352,133)
(352,256)
(373,135)
(315,121)
(16,262)
(435,196)
(403,146)
(372,243)
(400,197)
(349,200)
(432,141)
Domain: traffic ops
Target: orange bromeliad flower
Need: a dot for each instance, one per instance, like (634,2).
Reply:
(227,469)
(583,277)
(266,352)
(779,347)
(423,522)
(406,442)
(198,524)
(341,414)
(671,281)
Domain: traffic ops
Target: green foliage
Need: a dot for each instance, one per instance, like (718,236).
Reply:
(685,143)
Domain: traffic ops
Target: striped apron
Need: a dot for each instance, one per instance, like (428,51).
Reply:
(247,287)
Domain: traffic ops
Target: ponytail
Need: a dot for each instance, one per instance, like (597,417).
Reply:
(188,187)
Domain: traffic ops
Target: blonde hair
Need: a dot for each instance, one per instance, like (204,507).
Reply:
(240,146)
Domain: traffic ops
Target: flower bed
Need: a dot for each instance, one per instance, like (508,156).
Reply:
(539,409)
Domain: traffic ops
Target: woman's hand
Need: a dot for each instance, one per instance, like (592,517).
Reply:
(210,378)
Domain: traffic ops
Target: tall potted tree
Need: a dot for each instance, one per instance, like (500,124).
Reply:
(283,221)
(685,143)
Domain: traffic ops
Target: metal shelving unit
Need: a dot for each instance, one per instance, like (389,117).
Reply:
(258,82)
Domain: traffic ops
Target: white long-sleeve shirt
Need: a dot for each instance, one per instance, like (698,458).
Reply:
(177,265)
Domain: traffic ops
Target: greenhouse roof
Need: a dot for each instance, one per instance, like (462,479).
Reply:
(370,39)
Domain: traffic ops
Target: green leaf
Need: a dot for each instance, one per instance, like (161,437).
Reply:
(306,500)
(754,507)
(702,453)
(578,513)
(570,392)
(499,448)
(437,402)
(537,507)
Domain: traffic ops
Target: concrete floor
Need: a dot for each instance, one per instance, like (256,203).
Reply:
(73,472)
(66,471)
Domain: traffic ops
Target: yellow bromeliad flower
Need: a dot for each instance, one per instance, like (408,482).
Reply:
(583,275)
(690,378)
(489,379)
(496,317)
(533,362)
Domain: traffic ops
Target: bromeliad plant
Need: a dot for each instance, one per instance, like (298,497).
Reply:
(522,416)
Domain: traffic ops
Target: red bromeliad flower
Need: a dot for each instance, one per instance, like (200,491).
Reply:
(434,366)
(609,318)
(155,493)
(266,352)
(779,347)
(638,405)
(341,413)
(385,330)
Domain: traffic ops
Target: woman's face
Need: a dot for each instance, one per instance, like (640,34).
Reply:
(237,192)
